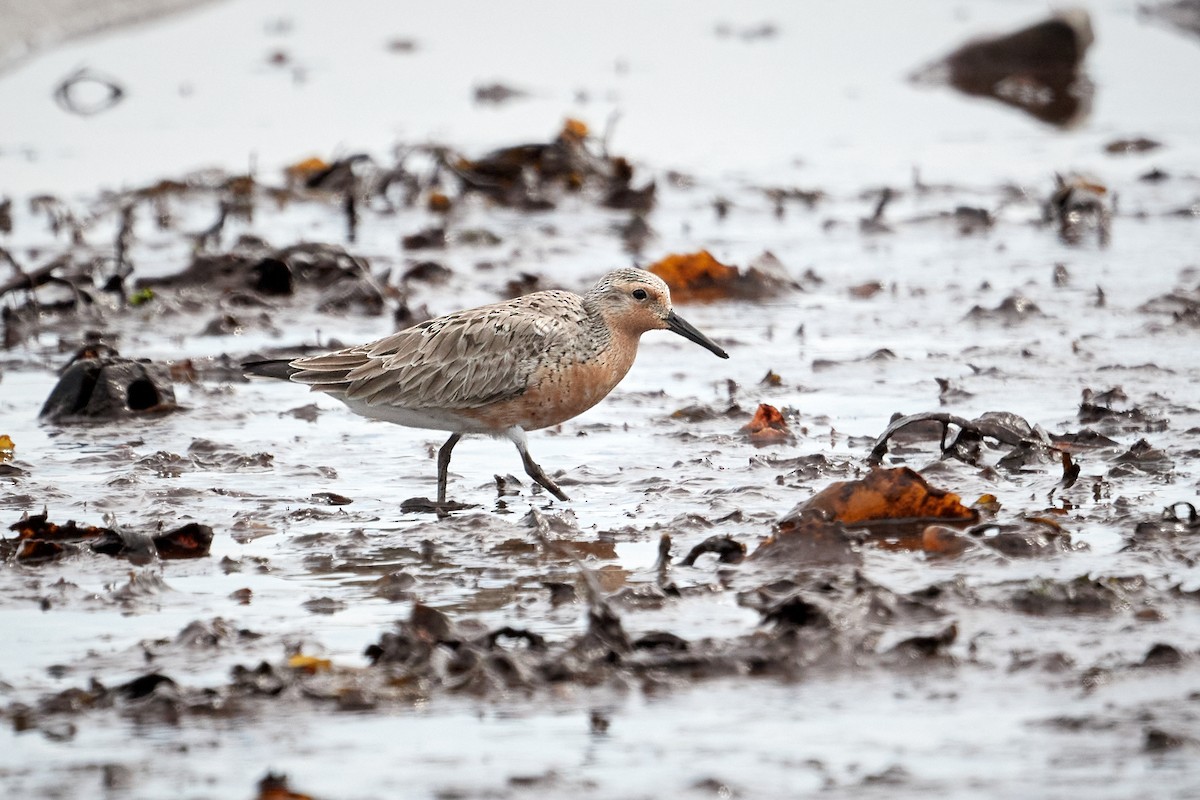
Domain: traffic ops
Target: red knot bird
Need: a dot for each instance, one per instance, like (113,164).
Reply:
(500,369)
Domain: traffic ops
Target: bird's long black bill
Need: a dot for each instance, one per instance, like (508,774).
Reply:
(685,329)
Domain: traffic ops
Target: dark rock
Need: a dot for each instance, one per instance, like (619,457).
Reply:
(273,276)
(1160,741)
(1162,655)
(109,389)
(808,539)
(1035,69)
(429,238)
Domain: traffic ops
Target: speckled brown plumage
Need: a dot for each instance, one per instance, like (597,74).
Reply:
(499,369)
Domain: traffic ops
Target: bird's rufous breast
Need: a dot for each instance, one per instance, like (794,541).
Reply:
(561,389)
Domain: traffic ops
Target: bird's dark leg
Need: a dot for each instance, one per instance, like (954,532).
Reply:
(531,467)
(535,472)
(444,465)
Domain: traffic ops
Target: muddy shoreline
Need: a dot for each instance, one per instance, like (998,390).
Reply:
(931,528)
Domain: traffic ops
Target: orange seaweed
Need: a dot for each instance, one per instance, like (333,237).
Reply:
(767,427)
(890,495)
(696,277)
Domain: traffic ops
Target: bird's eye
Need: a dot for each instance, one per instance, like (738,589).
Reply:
(639,294)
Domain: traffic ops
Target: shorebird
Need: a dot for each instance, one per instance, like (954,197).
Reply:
(500,369)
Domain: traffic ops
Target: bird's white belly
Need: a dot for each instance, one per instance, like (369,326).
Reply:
(430,418)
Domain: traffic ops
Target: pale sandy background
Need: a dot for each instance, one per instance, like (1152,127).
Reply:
(27,26)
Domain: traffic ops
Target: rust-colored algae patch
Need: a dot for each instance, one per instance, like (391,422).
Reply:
(767,427)
(439,203)
(39,527)
(309,664)
(275,787)
(890,496)
(303,171)
(40,540)
(896,504)
(897,509)
(696,277)
(941,540)
(700,278)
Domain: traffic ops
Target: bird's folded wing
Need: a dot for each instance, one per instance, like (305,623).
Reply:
(463,360)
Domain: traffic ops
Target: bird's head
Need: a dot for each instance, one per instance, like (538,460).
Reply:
(636,301)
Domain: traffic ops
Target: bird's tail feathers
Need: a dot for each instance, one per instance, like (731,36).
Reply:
(278,368)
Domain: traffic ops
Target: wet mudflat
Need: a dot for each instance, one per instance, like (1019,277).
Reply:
(749,594)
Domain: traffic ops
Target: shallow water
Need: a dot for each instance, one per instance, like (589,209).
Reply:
(1050,704)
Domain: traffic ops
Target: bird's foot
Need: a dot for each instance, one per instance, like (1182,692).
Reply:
(423,505)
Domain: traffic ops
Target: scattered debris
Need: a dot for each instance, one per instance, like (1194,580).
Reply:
(768,427)
(727,549)
(810,539)
(865,291)
(747,33)
(530,176)
(1013,310)
(39,540)
(1002,426)
(1123,147)
(497,93)
(1078,206)
(402,45)
(77,93)
(875,224)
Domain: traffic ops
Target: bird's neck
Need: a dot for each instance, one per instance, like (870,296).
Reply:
(609,339)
